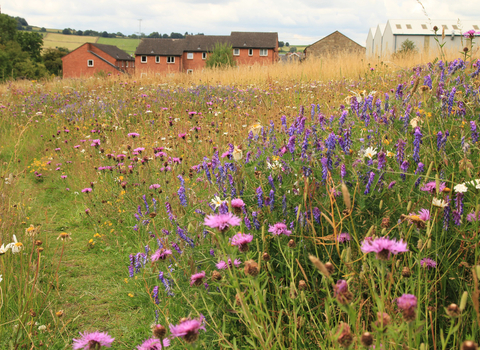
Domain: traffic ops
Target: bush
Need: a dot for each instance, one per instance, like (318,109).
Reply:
(221,57)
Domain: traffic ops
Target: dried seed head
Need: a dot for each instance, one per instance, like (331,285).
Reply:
(330,268)
(469,345)
(319,265)
(266,257)
(291,244)
(406,272)
(251,268)
(216,276)
(453,310)
(159,331)
(238,299)
(32,313)
(366,339)
(302,285)
(38,242)
(383,320)
(345,338)
(385,222)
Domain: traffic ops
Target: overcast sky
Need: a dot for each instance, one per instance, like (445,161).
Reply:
(296,21)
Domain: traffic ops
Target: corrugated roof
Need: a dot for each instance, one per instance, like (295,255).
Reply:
(114,52)
(203,43)
(425,27)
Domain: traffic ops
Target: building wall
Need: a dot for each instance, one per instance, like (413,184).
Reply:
(244,58)
(378,40)
(151,67)
(197,63)
(333,44)
(75,63)
(370,44)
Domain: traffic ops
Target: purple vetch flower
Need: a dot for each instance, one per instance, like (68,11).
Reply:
(343,171)
(155,295)
(404,167)
(94,340)
(291,144)
(259,197)
(255,220)
(473,129)
(383,247)
(317,214)
(428,263)
(439,140)
(324,162)
(246,220)
(381,160)
(177,248)
(181,191)
(369,183)
(451,98)
(400,149)
(417,141)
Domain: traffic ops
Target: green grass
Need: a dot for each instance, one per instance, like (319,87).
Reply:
(127,45)
(71,42)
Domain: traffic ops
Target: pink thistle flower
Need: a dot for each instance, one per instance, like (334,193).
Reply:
(407,303)
(279,228)
(343,237)
(428,263)
(63,176)
(139,149)
(384,247)
(93,340)
(424,214)
(222,221)
(187,329)
(154,186)
(223,265)
(87,190)
(182,135)
(473,216)
(160,254)
(237,203)
(197,278)
(432,187)
(341,292)
(241,240)
(133,134)
(154,344)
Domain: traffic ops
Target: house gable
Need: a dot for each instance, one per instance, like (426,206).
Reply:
(333,44)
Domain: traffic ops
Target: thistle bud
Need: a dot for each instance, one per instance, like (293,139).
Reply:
(406,272)
(453,310)
(345,339)
(216,276)
(330,268)
(366,339)
(302,285)
(291,244)
(159,331)
(266,256)
(469,345)
(251,268)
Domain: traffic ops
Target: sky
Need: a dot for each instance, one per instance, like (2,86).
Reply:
(299,22)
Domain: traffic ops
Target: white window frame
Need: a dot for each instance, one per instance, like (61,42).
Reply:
(250,52)
(90,63)
(236,52)
(189,55)
(204,55)
(170,59)
(189,71)
(157,59)
(133,64)
(143,59)
(126,64)
(263,52)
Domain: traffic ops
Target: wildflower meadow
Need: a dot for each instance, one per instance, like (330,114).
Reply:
(250,208)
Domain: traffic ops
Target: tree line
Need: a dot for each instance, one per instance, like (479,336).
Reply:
(21,54)
(105,34)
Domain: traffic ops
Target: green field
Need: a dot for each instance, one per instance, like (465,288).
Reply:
(127,45)
(71,42)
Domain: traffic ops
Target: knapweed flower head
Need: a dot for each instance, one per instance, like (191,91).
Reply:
(428,263)
(407,304)
(187,329)
(160,254)
(343,237)
(341,292)
(223,265)
(87,190)
(278,229)
(222,222)
(473,216)
(133,134)
(241,240)
(154,344)
(197,279)
(237,203)
(90,341)
(154,186)
(470,34)
(432,187)
(383,247)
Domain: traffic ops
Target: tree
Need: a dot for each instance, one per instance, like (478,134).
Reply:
(8,28)
(15,63)
(52,59)
(32,43)
(79,32)
(133,36)
(154,35)
(293,49)
(287,44)
(43,29)
(165,36)
(221,57)
(408,47)
(120,34)
(66,31)
(176,36)
(281,44)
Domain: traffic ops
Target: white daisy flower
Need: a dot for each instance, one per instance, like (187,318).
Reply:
(370,152)
(439,202)
(216,201)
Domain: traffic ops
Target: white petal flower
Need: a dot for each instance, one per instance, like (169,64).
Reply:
(15,246)
(216,201)
(461,188)
(4,249)
(439,203)
(370,152)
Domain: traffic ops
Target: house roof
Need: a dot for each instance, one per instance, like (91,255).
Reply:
(114,52)
(334,33)
(425,27)
(203,43)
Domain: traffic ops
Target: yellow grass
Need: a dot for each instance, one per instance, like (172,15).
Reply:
(71,42)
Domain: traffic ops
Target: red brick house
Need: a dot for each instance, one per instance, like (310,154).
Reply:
(92,58)
(159,56)
(333,45)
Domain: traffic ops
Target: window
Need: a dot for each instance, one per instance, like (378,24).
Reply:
(250,52)
(89,63)
(204,55)
(409,26)
(189,71)
(170,59)
(143,59)
(157,59)
(399,26)
(475,27)
(133,64)
(455,27)
(126,64)
(424,26)
(189,55)
(236,52)
(263,52)
(444,26)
